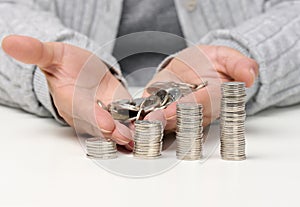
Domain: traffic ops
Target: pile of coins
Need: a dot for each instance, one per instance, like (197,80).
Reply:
(189,131)
(148,139)
(189,134)
(101,148)
(162,94)
(233,121)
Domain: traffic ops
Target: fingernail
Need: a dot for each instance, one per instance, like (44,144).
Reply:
(123,130)
(253,74)
(130,145)
(105,131)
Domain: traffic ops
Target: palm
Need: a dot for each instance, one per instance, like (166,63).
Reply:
(76,78)
(74,65)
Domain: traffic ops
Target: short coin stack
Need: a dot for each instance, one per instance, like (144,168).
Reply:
(233,121)
(148,139)
(100,148)
(189,131)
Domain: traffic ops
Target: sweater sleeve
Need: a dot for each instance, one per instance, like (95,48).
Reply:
(273,40)
(24,86)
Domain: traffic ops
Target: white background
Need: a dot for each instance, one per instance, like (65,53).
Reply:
(43,164)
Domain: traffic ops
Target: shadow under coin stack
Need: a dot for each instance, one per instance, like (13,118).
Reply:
(189,131)
(100,148)
(233,121)
(148,139)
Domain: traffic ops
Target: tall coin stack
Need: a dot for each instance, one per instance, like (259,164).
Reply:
(233,121)
(148,139)
(189,131)
(100,148)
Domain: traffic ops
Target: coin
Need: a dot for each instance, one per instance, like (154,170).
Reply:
(174,94)
(184,88)
(148,139)
(155,87)
(232,121)
(163,96)
(189,132)
(150,103)
(100,148)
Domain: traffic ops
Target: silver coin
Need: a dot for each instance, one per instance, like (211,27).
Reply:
(138,101)
(167,92)
(232,121)
(100,148)
(147,157)
(184,88)
(150,103)
(174,94)
(104,157)
(155,87)
(189,157)
(163,96)
(189,132)
(148,139)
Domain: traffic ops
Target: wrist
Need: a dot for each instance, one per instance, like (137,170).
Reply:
(232,44)
(40,86)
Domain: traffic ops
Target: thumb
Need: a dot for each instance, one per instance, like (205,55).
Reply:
(30,50)
(237,66)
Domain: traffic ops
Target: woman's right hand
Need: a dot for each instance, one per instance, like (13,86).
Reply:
(76,79)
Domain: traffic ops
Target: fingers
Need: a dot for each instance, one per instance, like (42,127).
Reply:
(112,128)
(105,127)
(170,116)
(121,134)
(30,50)
(104,120)
(129,146)
(93,85)
(237,66)
(118,132)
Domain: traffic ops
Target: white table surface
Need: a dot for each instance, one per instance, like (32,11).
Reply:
(43,164)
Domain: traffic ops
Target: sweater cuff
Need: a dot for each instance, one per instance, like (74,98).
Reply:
(41,90)
(232,44)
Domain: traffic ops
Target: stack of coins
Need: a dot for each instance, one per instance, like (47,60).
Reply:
(100,148)
(233,121)
(148,139)
(189,131)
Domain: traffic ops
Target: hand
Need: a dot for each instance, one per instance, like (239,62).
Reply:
(76,79)
(215,64)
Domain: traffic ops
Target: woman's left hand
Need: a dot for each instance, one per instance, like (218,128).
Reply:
(215,64)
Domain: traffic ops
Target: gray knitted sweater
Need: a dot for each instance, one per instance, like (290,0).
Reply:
(266,30)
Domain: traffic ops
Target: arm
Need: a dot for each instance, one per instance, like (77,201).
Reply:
(273,40)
